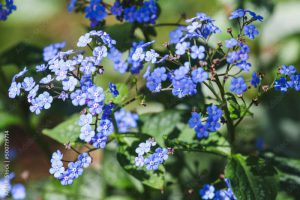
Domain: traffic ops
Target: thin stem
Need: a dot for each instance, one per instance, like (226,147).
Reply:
(244,114)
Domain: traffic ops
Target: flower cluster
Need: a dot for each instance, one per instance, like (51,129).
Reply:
(153,160)
(68,76)
(6,9)
(144,12)
(289,78)
(209,192)
(212,124)
(16,191)
(74,169)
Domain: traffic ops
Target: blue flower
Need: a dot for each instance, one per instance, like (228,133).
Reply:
(162,154)
(47,79)
(232,57)
(281,85)
(138,54)
(197,52)
(18,192)
(85,160)
(182,71)
(116,9)
(78,98)
(181,48)
(125,120)
(199,75)
(295,82)
(96,94)
(194,120)
(152,162)
(41,68)
(100,52)
(238,85)
(69,84)
(71,5)
(52,50)
(86,133)
(14,90)
(201,130)
(255,80)
(113,89)
(74,168)
(105,127)
(207,192)
(85,119)
(244,66)
(66,178)
(176,35)
(95,12)
(231,43)
(237,14)
(139,161)
(287,70)
(143,148)
(130,14)
(151,56)
(28,83)
(99,141)
(255,16)
(45,100)
(159,74)
(84,40)
(251,31)
(57,168)
(95,107)
(21,73)
(214,112)
(183,87)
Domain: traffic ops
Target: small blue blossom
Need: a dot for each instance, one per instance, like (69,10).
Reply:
(151,56)
(85,119)
(56,164)
(96,94)
(45,100)
(86,133)
(66,178)
(139,161)
(78,98)
(281,85)
(251,31)
(181,48)
(105,127)
(152,162)
(75,170)
(287,70)
(95,12)
(231,43)
(113,89)
(201,131)
(116,9)
(199,75)
(71,5)
(69,84)
(85,160)
(182,71)
(14,90)
(28,83)
(183,87)
(207,192)
(159,74)
(100,52)
(176,35)
(18,192)
(197,52)
(47,79)
(194,120)
(84,40)
(138,55)
(162,154)
(238,85)
(99,141)
(126,120)
(237,14)
(295,81)
(232,57)
(255,80)
(143,148)
(244,66)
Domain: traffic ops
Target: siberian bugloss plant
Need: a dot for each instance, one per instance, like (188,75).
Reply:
(189,65)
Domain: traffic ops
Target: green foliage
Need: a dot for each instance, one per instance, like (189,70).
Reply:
(159,125)
(126,154)
(251,178)
(65,132)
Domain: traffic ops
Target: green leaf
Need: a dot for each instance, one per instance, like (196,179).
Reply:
(8,119)
(67,131)
(126,155)
(88,186)
(21,54)
(123,33)
(159,125)
(115,176)
(233,107)
(123,94)
(251,178)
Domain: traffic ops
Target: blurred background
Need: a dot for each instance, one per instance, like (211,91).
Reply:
(35,24)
